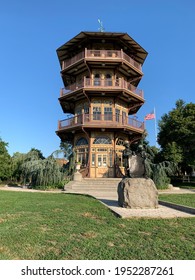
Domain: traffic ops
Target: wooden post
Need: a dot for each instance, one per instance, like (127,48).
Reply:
(121,53)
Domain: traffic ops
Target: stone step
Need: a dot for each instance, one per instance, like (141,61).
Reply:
(102,184)
(99,182)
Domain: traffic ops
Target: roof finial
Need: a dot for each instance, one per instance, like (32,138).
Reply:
(101,28)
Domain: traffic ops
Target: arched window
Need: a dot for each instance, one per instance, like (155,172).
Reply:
(81,149)
(82,141)
(102,140)
(97,80)
(108,80)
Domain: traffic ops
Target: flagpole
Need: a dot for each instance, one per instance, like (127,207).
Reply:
(155,127)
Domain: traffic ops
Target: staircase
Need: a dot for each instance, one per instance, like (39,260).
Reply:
(88,185)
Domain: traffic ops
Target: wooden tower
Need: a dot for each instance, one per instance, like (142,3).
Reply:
(100,73)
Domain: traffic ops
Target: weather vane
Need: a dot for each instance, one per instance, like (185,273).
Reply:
(101,28)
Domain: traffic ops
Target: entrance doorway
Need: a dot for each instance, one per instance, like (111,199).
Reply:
(102,163)
(104,168)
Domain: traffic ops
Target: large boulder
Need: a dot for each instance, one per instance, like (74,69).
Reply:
(137,193)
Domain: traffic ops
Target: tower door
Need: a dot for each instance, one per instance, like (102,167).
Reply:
(103,168)
(102,165)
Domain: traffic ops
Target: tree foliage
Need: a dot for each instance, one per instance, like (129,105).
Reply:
(33,169)
(5,161)
(177,134)
(66,148)
(156,167)
(42,172)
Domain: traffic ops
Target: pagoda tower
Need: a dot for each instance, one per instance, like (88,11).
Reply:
(100,73)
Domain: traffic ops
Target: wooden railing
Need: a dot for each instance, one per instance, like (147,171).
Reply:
(72,60)
(109,120)
(101,55)
(102,83)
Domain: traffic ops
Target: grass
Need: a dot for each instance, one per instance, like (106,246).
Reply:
(182,199)
(67,226)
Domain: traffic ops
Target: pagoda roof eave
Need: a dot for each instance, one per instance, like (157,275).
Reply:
(63,51)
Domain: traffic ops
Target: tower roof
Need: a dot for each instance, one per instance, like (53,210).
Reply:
(122,38)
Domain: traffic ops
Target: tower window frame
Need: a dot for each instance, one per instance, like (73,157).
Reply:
(102,140)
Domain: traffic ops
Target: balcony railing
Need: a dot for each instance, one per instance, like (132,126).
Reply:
(101,55)
(105,84)
(100,120)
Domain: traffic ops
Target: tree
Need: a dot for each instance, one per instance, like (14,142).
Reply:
(156,167)
(177,134)
(5,161)
(66,148)
(34,169)
(16,162)
(18,159)
(173,152)
(42,172)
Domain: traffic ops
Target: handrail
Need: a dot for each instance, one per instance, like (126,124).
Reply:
(72,60)
(103,83)
(101,54)
(100,119)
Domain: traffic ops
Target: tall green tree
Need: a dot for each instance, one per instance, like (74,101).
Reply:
(177,134)
(5,161)
(16,162)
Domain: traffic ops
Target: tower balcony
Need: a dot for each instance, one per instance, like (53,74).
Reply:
(108,57)
(115,85)
(100,121)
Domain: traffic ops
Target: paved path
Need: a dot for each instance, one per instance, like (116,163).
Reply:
(109,198)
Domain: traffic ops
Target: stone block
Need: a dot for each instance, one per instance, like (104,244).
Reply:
(77,176)
(137,193)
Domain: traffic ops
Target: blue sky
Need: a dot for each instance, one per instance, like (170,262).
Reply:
(30,82)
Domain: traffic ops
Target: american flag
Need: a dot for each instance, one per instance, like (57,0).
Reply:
(149,116)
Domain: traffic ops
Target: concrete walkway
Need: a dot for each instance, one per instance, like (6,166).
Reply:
(110,199)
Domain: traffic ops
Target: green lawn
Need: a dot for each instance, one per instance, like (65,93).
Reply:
(182,199)
(65,226)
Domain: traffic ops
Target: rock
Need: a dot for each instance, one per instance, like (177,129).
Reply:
(170,187)
(137,193)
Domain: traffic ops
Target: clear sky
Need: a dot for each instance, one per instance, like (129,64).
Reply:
(30,82)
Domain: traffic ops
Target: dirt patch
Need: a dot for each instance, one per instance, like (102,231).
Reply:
(89,234)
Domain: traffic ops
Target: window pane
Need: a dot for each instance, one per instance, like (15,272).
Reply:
(99,160)
(117,111)
(124,118)
(82,141)
(110,159)
(96,113)
(97,80)
(108,113)
(102,140)
(104,160)
(93,160)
